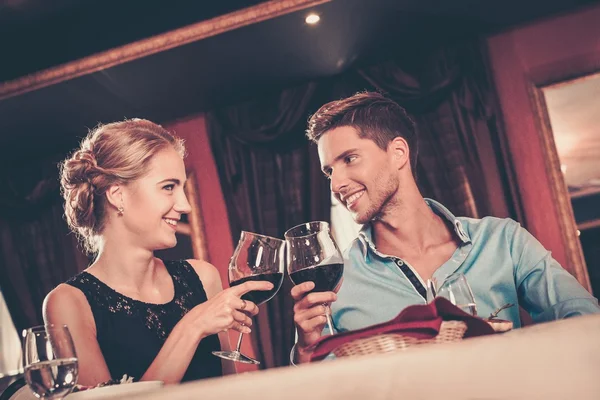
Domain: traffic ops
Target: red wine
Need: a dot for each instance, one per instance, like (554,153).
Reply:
(326,277)
(260,296)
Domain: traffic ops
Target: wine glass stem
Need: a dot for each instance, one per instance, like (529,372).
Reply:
(328,317)
(239,343)
(329,324)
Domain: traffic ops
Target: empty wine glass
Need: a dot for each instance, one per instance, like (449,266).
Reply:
(314,256)
(256,258)
(456,289)
(51,367)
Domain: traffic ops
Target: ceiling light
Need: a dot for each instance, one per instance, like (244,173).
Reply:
(312,19)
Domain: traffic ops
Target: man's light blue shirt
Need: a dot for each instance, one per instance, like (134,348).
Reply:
(502,262)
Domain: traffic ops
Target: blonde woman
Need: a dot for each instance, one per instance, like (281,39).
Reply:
(129,312)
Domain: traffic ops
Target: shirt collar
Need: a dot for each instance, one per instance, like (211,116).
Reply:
(365,236)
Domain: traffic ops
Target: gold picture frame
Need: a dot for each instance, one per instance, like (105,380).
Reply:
(567,72)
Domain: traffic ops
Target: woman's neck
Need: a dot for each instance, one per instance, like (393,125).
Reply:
(122,264)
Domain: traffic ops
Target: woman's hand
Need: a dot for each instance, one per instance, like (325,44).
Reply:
(226,310)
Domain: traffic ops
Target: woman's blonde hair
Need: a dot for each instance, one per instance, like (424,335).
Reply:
(116,153)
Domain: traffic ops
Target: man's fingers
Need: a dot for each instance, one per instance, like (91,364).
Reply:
(299,291)
(309,325)
(311,313)
(313,299)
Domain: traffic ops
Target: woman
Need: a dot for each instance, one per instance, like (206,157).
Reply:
(129,312)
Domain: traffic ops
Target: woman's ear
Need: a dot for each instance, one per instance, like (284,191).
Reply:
(400,152)
(114,195)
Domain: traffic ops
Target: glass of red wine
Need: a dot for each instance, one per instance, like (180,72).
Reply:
(313,255)
(256,258)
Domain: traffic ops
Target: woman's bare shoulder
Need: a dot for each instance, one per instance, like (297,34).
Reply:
(209,275)
(65,300)
(65,293)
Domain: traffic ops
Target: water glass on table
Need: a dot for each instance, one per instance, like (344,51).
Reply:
(51,367)
(456,289)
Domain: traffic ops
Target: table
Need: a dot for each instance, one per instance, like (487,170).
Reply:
(557,360)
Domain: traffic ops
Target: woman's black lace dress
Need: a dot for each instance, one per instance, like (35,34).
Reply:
(131,332)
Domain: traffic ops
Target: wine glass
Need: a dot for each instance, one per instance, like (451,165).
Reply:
(256,258)
(51,368)
(313,255)
(456,289)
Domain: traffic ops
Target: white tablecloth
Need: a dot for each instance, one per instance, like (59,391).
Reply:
(558,360)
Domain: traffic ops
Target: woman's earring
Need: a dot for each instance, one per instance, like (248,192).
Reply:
(120,209)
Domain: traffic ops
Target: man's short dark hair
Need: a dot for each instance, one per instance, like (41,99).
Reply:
(373,115)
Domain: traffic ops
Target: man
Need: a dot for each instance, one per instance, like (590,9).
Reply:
(368,149)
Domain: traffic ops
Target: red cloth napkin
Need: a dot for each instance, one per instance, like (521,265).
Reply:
(420,321)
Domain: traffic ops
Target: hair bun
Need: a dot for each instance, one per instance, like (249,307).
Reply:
(78,175)
(86,156)
(85,164)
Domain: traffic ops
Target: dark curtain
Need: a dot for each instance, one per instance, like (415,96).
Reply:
(271,181)
(270,174)
(448,91)
(37,251)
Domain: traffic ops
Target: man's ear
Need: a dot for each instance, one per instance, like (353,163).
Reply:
(114,195)
(400,151)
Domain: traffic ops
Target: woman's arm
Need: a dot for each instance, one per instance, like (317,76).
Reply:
(211,280)
(67,305)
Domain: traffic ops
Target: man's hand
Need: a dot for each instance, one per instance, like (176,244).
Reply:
(309,316)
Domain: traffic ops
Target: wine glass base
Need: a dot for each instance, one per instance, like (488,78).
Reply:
(236,356)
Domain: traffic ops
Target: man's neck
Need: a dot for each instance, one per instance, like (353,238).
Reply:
(410,229)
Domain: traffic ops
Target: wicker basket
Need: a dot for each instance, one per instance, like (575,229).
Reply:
(450,331)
